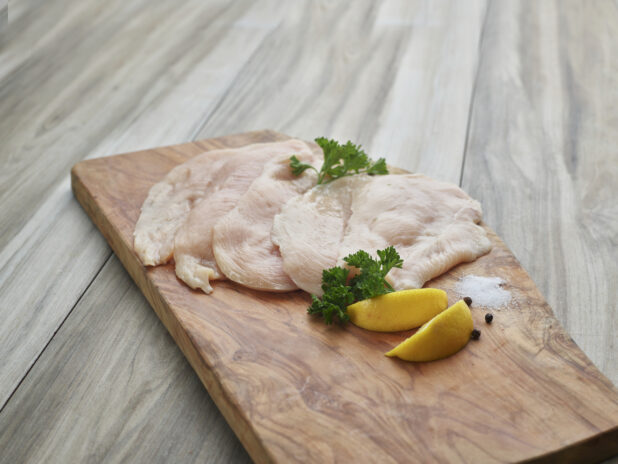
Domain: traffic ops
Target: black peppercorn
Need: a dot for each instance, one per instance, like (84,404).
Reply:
(489,317)
(468,300)
(475,335)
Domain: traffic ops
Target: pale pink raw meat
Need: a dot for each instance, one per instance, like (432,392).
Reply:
(242,244)
(193,246)
(433,225)
(169,202)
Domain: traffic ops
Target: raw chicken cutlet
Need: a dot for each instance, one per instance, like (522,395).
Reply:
(433,225)
(193,245)
(242,245)
(170,201)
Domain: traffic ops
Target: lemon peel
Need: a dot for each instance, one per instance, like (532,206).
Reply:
(442,336)
(396,311)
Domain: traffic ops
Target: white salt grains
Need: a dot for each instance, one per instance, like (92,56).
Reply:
(484,291)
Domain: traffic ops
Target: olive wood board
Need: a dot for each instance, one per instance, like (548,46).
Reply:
(296,390)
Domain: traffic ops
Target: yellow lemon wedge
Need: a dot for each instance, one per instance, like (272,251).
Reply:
(402,310)
(442,336)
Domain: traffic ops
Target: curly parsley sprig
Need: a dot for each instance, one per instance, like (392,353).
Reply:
(340,161)
(340,291)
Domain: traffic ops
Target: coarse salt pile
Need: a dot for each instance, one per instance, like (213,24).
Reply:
(484,291)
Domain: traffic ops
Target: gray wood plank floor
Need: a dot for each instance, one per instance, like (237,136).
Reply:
(515,100)
(543,157)
(94,397)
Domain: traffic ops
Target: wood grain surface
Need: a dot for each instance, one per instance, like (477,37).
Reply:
(294,389)
(83,79)
(84,414)
(550,155)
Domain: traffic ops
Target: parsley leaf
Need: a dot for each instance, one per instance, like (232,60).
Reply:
(339,292)
(389,259)
(337,295)
(297,167)
(340,160)
(371,281)
(378,168)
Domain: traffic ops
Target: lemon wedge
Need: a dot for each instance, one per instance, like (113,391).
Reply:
(442,336)
(402,310)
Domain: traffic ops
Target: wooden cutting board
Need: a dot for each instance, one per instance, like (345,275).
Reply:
(294,389)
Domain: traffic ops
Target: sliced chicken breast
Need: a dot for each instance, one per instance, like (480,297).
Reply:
(433,225)
(242,244)
(193,244)
(169,202)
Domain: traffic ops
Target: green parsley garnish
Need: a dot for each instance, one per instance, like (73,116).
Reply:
(339,161)
(339,293)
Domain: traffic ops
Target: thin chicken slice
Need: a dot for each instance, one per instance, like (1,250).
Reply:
(433,225)
(310,229)
(193,245)
(169,202)
(242,244)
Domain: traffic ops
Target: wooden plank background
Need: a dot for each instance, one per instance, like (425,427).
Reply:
(516,101)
